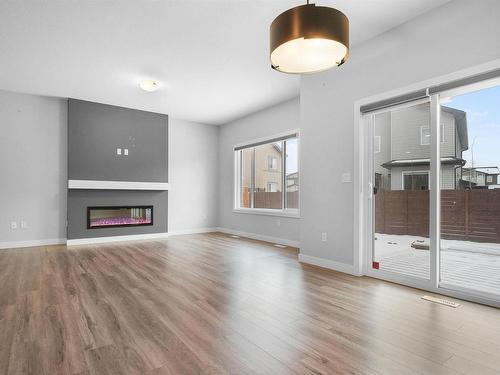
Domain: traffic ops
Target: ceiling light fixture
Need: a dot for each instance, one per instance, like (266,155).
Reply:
(149,85)
(309,39)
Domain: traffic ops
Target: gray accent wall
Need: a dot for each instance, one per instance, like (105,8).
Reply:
(95,131)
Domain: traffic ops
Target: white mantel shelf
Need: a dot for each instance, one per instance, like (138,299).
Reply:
(117,185)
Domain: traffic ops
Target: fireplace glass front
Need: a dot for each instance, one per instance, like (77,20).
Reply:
(119,216)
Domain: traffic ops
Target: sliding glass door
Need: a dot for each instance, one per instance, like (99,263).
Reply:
(400,180)
(470,196)
(432,170)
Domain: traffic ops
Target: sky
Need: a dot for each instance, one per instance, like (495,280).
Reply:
(483,122)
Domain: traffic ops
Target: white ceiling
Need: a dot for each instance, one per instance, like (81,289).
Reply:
(210,55)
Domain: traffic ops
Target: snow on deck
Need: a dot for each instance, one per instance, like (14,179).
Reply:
(465,264)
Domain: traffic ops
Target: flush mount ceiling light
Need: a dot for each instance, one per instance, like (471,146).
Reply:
(309,39)
(149,85)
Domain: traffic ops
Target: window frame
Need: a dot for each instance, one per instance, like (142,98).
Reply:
(270,163)
(377,146)
(270,186)
(429,138)
(284,211)
(415,173)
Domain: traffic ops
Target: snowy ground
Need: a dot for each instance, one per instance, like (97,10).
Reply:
(463,263)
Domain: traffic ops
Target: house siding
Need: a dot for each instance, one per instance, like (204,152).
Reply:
(400,135)
(406,133)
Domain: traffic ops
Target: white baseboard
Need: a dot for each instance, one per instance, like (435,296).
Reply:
(260,237)
(136,237)
(325,263)
(32,243)
(132,237)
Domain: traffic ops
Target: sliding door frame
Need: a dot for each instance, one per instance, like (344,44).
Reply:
(369,123)
(363,187)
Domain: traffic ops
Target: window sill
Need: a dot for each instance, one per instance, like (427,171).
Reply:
(267,212)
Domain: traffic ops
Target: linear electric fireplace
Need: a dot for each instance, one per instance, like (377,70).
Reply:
(119,216)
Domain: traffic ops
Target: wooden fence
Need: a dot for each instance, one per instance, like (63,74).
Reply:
(265,199)
(466,215)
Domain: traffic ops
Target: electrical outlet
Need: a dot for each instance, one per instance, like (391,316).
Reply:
(118,151)
(24,224)
(13,225)
(323,237)
(125,151)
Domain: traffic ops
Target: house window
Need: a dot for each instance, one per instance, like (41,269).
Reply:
(267,176)
(272,163)
(489,179)
(377,144)
(415,180)
(425,135)
(378,182)
(272,187)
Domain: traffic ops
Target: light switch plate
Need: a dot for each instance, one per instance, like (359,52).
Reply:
(346,177)
(118,151)
(13,225)
(125,151)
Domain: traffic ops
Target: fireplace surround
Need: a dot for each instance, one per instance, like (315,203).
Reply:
(108,187)
(99,217)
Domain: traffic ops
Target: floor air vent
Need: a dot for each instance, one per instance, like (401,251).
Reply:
(441,301)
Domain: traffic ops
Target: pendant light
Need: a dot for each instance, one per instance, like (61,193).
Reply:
(309,39)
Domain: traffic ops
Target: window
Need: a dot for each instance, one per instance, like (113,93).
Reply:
(264,176)
(415,180)
(272,187)
(489,179)
(267,176)
(377,144)
(272,163)
(425,135)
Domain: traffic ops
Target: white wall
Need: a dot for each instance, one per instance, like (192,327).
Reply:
(455,36)
(193,176)
(265,123)
(32,168)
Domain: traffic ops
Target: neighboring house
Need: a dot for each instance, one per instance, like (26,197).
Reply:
(292,182)
(480,177)
(268,164)
(402,148)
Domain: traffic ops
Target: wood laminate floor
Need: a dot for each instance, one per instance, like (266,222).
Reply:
(212,304)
